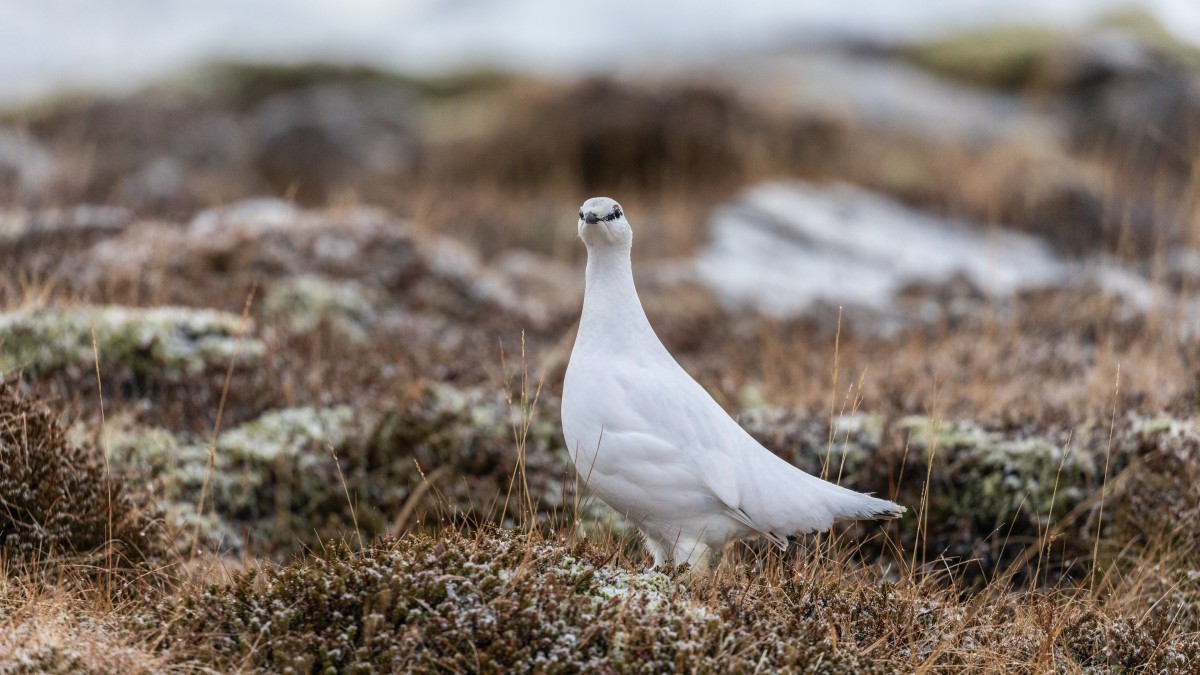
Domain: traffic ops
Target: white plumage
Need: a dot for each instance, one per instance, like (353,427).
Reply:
(652,443)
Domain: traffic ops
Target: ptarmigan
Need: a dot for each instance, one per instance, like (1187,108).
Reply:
(652,443)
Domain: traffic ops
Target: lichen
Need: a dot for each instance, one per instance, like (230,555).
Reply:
(993,478)
(292,476)
(303,303)
(168,342)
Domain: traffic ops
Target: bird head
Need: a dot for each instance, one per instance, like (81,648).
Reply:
(602,224)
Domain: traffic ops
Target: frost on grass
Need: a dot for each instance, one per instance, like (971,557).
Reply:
(303,303)
(170,342)
(505,601)
(55,636)
(491,602)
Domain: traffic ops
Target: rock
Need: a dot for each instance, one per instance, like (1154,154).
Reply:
(788,249)
(283,477)
(480,434)
(255,239)
(165,342)
(217,135)
(782,248)
(839,455)
(535,289)
(992,495)
(340,264)
(884,95)
(273,478)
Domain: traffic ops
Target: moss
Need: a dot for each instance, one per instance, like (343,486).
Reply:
(1015,57)
(1008,57)
(168,342)
(302,304)
(994,479)
(55,496)
(276,478)
(473,438)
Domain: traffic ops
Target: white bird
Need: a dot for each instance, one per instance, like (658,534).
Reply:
(653,444)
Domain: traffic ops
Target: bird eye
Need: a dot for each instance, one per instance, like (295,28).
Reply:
(581,213)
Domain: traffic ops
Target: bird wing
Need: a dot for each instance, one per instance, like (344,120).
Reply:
(687,436)
(757,488)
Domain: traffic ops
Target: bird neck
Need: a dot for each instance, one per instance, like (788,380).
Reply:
(612,313)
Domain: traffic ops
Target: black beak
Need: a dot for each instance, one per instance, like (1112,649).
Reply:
(591,218)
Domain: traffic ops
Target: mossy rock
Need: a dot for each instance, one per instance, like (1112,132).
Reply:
(166,342)
(1016,57)
(60,499)
(304,303)
(994,479)
(992,496)
(274,478)
(295,476)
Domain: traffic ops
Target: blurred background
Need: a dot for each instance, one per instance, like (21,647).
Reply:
(848,216)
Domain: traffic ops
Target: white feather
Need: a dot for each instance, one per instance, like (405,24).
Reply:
(655,446)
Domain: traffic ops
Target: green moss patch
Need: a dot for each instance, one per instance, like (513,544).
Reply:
(169,342)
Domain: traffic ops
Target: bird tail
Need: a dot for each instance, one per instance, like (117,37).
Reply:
(784,500)
(850,505)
